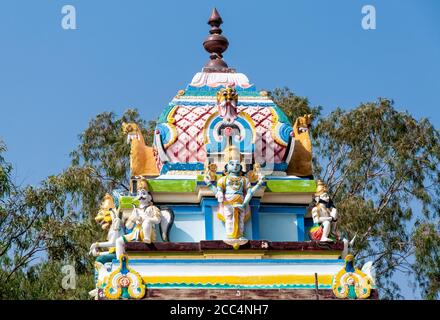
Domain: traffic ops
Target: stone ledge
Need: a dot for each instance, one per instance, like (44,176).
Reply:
(244,294)
(216,245)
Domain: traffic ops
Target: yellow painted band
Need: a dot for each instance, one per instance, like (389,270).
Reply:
(172,127)
(244,280)
(170,116)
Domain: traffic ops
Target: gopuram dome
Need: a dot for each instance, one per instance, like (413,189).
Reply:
(203,120)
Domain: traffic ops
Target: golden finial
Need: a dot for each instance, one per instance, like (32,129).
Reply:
(215,44)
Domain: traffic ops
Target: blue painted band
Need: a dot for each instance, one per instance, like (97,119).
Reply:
(185,209)
(196,103)
(199,166)
(276,166)
(156,285)
(283,210)
(234,261)
(214,90)
(190,166)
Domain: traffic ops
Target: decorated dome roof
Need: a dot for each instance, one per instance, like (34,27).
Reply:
(188,129)
(220,109)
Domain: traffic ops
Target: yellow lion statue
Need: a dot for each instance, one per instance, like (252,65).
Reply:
(301,162)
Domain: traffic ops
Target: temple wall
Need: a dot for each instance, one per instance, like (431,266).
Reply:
(188,228)
(196,222)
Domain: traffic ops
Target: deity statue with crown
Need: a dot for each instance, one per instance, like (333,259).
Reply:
(324,216)
(141,223)
(233,192)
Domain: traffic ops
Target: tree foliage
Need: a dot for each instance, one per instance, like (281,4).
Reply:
(426,240)
(5,171)
(57,216)
(20,239)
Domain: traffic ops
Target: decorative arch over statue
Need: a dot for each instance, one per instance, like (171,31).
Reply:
(219,135)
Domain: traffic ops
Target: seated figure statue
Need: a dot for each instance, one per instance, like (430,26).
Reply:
(324,216)
(141,221)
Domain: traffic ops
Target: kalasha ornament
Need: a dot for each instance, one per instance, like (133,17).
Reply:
(216,44)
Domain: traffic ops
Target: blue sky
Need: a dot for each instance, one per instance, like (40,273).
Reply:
(140,53)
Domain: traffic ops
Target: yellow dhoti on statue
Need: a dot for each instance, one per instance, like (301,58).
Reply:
(145,231)
(234,218)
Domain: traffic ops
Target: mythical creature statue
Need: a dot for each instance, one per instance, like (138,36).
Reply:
(142,220)
(108,218)
(324,216)
(301,162)
(227,99)
(142,159)
(233,192)
(104,217)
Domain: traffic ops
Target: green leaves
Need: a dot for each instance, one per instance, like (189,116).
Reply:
(292,105)
(5,170)
(426,240)
(57,216)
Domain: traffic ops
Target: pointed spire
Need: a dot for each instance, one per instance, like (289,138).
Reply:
(215,18)
(216,44)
